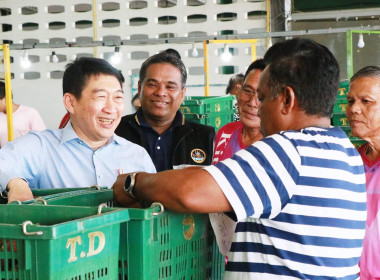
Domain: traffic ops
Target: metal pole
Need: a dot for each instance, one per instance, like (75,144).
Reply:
(95,22)
(205,54)
(350,57)
(8,91)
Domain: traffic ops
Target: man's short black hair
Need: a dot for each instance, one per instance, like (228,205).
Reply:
(79,72)
(164,58)
(257,64)
(172,52)
(310,69)
(2,90)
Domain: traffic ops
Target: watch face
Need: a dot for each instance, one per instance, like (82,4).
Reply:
(127,183)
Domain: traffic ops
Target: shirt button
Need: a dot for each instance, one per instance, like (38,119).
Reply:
(159,138)
(80,142)
(158,147)
(100,176)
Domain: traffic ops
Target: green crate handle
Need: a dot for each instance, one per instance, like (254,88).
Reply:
(15,201)
(100,207)
(95,187)
(162,210)
(40,199)
(24,230)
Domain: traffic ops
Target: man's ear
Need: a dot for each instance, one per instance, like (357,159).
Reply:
(68,101)
(139,88)
(289,100)
(183,93)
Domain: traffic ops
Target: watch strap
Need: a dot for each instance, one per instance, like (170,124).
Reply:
(131,179)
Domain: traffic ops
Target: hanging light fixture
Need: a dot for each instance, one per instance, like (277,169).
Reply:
(226,55)
(24,60)
(361,43)
(194,51)
(116,58)
(54,57)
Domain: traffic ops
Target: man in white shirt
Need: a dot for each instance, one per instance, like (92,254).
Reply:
(86,152)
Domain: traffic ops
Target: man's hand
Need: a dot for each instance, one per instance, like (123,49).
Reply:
(18,189)
(120,196)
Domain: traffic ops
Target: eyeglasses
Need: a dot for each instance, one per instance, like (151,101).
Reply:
(246,93)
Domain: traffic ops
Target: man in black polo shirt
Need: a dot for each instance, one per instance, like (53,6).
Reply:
(158,126)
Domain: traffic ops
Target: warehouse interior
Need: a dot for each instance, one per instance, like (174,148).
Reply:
(138,29)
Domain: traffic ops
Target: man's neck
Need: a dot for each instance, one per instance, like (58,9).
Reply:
(159,125)
(91,143)
(302,120)
(250,135)
(14,108)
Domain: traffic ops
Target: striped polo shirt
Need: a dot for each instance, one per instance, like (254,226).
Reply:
(300,200)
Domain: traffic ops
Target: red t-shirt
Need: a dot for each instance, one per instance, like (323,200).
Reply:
(228,141)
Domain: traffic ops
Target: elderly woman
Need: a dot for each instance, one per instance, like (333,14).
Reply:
(363,114)
(235,136)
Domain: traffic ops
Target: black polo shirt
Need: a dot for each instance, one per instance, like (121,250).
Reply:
(160,147)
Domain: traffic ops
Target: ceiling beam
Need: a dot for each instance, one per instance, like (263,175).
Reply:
(336,14)
(190,40)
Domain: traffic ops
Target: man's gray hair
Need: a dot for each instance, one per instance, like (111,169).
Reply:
(367,72)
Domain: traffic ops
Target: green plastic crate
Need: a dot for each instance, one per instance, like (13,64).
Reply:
(169,246)
(354,140)
(343,89)
(357,142)
(340,106)
(50,193)
(158,244)
(83,197)
(53,191)
(59,242)
(217,120)
(207,104)
(339,119)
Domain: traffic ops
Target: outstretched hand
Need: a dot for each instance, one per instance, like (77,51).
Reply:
(18,190)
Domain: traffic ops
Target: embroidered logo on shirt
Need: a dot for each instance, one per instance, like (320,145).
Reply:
(198,155)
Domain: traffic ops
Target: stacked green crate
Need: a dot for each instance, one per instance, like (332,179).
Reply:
(339,117)
(215,111)
(59,242)
(154,243)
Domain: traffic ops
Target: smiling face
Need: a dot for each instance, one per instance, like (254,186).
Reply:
(97,113)
(363,108)
(161,93)
(248,103)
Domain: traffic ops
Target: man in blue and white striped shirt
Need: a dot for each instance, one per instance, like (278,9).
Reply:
(298,194)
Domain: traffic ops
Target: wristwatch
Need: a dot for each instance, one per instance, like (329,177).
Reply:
(4,193)
(129,184)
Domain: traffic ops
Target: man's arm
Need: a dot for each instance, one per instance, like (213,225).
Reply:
(18,189)
(189,190)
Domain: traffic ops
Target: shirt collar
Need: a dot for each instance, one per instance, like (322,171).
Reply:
(179,119)
(68,134)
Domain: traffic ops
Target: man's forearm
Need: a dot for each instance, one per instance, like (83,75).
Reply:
(190,190)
